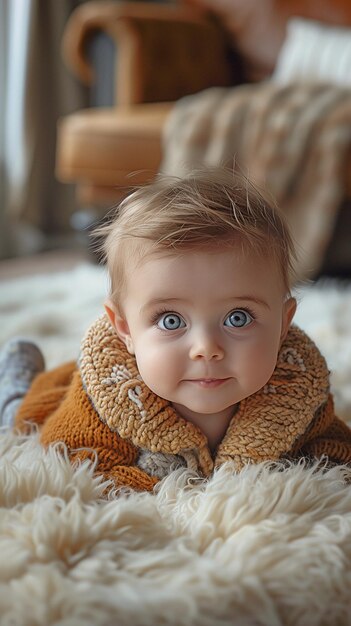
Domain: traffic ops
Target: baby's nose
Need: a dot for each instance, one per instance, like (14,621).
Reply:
(206,346)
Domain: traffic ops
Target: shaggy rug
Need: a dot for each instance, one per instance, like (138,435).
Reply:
(269,546)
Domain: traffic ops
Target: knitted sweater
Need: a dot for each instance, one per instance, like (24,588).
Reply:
(103,408)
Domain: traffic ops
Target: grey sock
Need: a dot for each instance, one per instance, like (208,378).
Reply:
(20,362)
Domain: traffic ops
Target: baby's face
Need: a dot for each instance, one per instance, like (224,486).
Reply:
(205,328)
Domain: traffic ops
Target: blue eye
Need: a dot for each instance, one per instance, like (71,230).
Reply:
(170,321)
(238,319)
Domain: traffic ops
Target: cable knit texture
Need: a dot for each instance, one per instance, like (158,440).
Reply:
(104,408)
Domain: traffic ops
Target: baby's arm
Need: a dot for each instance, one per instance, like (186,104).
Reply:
(110,465)
(58,401)
(44,396)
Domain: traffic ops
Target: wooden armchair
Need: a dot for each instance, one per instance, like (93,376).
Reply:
(164,52)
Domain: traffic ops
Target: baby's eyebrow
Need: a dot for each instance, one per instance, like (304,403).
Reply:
(156,301)
(254,299)
(237,299)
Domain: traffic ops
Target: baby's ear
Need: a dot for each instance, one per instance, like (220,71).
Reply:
(289,309)
(110,311)
(120,324)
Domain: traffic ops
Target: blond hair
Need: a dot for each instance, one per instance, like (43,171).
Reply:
(207,209)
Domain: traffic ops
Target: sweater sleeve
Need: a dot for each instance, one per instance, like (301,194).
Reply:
(58,402)
(44,396)
(327,435)
(110,466)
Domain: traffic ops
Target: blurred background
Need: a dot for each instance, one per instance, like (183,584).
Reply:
(86,89)
(38,212)
(36,89)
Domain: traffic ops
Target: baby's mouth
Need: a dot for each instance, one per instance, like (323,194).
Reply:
(208,382)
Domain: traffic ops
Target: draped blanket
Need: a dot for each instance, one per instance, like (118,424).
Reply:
(292,140)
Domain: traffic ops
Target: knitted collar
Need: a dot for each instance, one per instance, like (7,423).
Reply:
(264,427)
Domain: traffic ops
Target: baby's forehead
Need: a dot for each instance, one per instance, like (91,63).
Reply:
(177,270)
(142,262)
(164,264)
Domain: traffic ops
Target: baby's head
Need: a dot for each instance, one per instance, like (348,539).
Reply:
(200,271)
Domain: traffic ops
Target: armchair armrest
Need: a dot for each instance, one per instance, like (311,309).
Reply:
(164,51)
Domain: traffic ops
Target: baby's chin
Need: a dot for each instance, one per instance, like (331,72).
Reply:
(203,410)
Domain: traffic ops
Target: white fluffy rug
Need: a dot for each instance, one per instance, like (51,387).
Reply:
(266,547)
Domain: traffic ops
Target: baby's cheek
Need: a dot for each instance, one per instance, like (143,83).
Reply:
(264,367)
(257,364)
(153,368)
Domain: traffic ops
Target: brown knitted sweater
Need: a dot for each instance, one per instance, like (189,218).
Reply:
(102,406)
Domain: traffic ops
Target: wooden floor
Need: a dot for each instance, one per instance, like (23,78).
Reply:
(53,261)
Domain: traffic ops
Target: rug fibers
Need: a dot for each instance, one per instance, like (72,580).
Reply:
(269,546)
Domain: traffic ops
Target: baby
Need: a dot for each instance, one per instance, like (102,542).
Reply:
(195,362)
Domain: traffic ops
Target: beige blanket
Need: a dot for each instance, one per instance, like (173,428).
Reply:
(292,141)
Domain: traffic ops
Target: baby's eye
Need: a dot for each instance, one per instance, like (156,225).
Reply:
(170,321)
(238,319)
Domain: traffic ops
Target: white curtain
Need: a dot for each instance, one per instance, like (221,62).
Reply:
(14,31)
(35,89)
